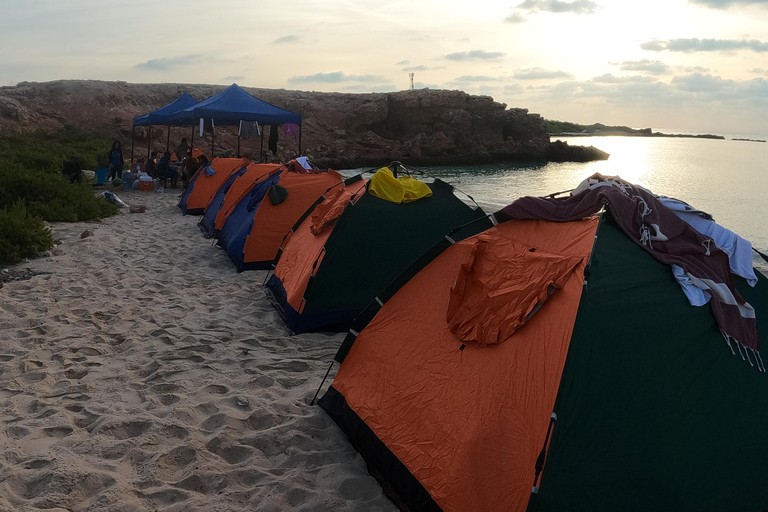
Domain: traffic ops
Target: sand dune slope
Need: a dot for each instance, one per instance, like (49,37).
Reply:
(142,373)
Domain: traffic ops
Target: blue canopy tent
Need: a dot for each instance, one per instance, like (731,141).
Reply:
(233,105)
(162,116)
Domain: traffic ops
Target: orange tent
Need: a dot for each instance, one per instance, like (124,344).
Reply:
(206,182)
(465,419)
(231,193)
(257,224)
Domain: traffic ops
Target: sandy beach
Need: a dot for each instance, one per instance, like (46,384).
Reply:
(140,372)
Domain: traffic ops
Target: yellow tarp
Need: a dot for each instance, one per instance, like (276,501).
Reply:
(397,190)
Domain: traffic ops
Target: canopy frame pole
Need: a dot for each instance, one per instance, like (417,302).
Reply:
(238,143)
(192,144)
(261,149)
(149,140)
(213,140)
(168,140)
(133,136)
(299,140)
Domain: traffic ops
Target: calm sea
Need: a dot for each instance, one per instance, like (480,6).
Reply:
(727,178)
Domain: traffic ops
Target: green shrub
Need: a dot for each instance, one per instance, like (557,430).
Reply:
(46,151)
(51,196)
(22,235)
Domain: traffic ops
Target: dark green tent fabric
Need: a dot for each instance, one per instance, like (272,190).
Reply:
(361,258)
(654,412)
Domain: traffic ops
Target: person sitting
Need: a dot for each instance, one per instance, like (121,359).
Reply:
(72,170)
(166,171)
(151,168)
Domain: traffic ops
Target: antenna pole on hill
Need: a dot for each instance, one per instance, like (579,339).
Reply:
(410,75)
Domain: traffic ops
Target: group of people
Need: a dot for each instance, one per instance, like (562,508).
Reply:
(161,168)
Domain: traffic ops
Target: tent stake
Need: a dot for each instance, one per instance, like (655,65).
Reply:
(321,384)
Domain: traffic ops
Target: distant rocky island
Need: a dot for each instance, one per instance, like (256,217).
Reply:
(339,130)
(568,129)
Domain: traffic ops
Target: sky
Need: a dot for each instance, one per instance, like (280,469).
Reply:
(687,65)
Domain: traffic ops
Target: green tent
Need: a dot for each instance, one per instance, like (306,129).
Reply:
(617,395)
(324,279)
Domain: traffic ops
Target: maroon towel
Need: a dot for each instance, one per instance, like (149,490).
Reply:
(663,234)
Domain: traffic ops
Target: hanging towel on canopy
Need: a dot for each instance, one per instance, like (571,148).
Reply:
(249,130)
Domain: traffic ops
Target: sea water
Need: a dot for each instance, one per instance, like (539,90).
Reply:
(726,178)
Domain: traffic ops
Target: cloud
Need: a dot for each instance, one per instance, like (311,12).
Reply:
(692,69)
(476,78)
(725,4)
(369,88)
(474,55)
(698,83)
(653,67)
(169,63)
(233,78)
(705,45)
(402,63)
(335,78)
(696,91)
(515,17)
(557,6)
(416,68)
(540,74)
(611,79)
(759,71)
(287,39)
(422,85)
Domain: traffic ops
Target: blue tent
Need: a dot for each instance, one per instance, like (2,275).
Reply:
(233,105)
(163,114)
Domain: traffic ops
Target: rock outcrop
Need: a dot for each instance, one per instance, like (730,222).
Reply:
(417,127)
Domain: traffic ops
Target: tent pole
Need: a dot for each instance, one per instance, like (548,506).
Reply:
(213,141)
(321,384)
(133,136)
(261,149)
(192,144)
(149,140)
(168,140)
(299,140)
(238,144)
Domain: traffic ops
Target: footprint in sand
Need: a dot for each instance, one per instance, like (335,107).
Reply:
(232,453)
(169,466)
(16,432)
(57,431)
(76,373)
(166,496)
(125,429)
(217,389)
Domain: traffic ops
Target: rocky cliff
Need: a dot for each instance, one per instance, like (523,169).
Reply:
(418,127)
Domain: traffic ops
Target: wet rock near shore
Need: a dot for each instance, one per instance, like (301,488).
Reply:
(560,151)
